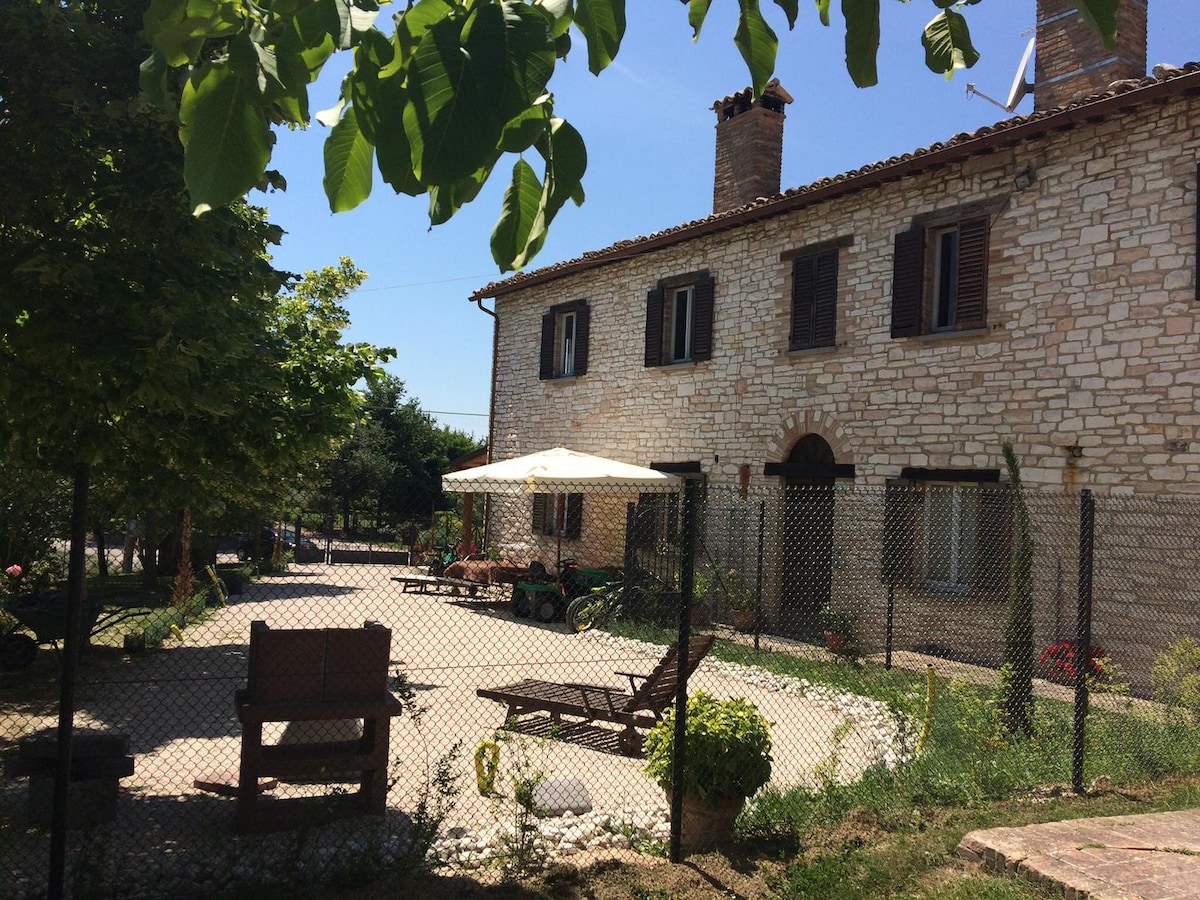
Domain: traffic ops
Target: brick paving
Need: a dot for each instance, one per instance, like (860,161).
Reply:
(1154,856)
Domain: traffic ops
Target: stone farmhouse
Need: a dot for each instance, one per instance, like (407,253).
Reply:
(1035,281)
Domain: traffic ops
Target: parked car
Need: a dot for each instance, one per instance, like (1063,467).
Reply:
(266,543)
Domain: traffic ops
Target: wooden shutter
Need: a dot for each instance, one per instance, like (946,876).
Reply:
(546,359)
(539,513)
(902,502)
(971,304)
(654,327)
(908,279)
(824,333)
(582,328)
(804,289)
(573,517)
(993,539)
(702,318)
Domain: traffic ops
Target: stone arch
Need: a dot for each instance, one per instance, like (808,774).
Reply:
(799,424)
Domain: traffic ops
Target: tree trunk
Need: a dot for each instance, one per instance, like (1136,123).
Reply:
(150,550)
(130,546)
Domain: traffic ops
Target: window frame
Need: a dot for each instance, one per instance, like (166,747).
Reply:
(661,311)
(545,515)
(906,532)
(961,558)
(675,353)
(552,353)
(918,281)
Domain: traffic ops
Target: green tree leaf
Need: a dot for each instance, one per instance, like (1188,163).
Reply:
(947,42)
(349,158)
(179,28)
(1102,16)
(602,23)
(757,43)
(522,218)
(235,148)
(791,9)
(697,13)
(823,12)
(862,40)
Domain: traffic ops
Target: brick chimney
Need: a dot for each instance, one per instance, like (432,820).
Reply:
(1072,62)
(749,146)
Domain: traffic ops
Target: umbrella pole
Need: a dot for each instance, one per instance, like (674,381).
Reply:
(560,520)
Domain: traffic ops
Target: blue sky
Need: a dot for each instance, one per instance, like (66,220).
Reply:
(649,128)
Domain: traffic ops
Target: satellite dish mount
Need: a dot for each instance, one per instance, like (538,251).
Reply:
(1020,86)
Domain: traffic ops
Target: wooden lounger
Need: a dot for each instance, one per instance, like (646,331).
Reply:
(425,584)
(640,707)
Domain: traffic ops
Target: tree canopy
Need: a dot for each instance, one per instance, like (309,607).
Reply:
(437,102)
(133,334)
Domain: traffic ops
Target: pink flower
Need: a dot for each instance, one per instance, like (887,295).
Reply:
(13,571)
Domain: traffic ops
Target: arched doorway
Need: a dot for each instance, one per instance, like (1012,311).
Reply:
(807,536)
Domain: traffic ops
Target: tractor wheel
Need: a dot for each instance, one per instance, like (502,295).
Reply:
(520,603)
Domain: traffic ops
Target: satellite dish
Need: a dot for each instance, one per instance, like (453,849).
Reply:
(1021,87)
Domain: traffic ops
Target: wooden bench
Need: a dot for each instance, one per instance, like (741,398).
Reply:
(311,676)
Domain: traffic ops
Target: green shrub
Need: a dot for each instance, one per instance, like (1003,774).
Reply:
(728,750)
(1176,675)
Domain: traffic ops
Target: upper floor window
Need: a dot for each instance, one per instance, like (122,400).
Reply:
(814,300)
(939,277)
(679,315)
(680,344)
(564,348)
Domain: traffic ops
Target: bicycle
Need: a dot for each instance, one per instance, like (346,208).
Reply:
(595,608)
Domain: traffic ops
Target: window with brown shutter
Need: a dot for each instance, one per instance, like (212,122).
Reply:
(679,320)
(554,511)
(947,531)
(939,277)
(814,301)
(564,345)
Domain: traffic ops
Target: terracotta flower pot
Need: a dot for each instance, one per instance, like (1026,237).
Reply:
(836,642)
(704,827)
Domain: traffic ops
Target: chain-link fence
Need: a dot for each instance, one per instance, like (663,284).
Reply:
(919,641)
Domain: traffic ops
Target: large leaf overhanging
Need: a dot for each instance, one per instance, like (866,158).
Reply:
(436,103)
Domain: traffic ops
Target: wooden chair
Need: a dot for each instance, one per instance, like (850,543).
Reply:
(640,707)
(314,675)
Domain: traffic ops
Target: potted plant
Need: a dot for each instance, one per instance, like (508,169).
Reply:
(838,628)
(727,759)
(740,599)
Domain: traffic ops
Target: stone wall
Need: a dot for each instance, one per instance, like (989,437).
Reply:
(1091,338)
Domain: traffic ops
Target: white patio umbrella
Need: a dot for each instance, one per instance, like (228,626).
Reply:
(558,470)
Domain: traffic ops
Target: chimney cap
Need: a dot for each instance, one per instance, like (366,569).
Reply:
(729,106)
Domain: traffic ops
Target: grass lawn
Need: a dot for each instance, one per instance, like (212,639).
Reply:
(894,832)
(866,853)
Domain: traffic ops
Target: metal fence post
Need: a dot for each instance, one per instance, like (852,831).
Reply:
(72,638)
(1083,634)
(686,582)
(758,581)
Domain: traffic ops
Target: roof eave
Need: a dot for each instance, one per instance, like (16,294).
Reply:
(997,137)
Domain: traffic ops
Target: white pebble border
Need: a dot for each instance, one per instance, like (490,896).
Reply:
(556,838)
(597,830)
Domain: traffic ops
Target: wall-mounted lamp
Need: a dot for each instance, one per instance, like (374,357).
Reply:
(1022,181)
(1075,451)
